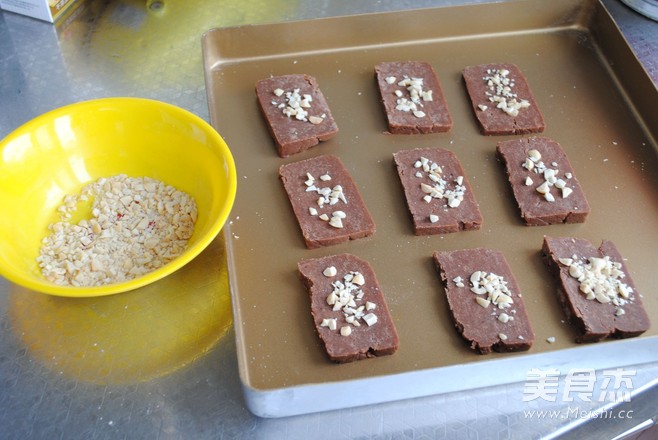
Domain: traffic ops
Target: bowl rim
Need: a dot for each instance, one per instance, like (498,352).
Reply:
(190,253)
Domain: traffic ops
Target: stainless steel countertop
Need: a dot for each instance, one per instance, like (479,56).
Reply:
(135,48)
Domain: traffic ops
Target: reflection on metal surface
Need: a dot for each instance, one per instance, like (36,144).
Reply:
(648,8)
(131,337)
(154,44)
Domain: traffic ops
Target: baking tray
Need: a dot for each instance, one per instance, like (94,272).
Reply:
(598,102)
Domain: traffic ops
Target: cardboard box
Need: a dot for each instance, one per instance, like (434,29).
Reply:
(47,10)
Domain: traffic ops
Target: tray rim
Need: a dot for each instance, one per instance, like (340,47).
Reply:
(278,402)
(578,19)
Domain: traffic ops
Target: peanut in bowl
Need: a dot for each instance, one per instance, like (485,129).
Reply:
(49,176)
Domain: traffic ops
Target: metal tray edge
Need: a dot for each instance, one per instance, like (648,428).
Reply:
(303,399)
(558,14)
(627,69)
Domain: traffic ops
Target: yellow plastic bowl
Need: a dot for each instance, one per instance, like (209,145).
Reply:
(59,152)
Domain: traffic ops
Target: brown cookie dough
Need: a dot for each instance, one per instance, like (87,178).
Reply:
(326,201)
(581,271)
(543,182)
(348,307)
(502,100)
(438,194)
(297,114)
(493,319)
(412,98)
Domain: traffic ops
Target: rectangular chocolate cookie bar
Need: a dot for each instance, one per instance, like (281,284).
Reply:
(484,299)
(595,290)
(348,307)
(297,114)
(502,100)
(543,182)
(326,201)
(438,194)
(412,97)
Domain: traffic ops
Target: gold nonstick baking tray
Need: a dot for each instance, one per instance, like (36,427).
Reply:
(599,104)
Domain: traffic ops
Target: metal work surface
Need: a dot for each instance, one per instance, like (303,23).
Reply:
(161,363)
